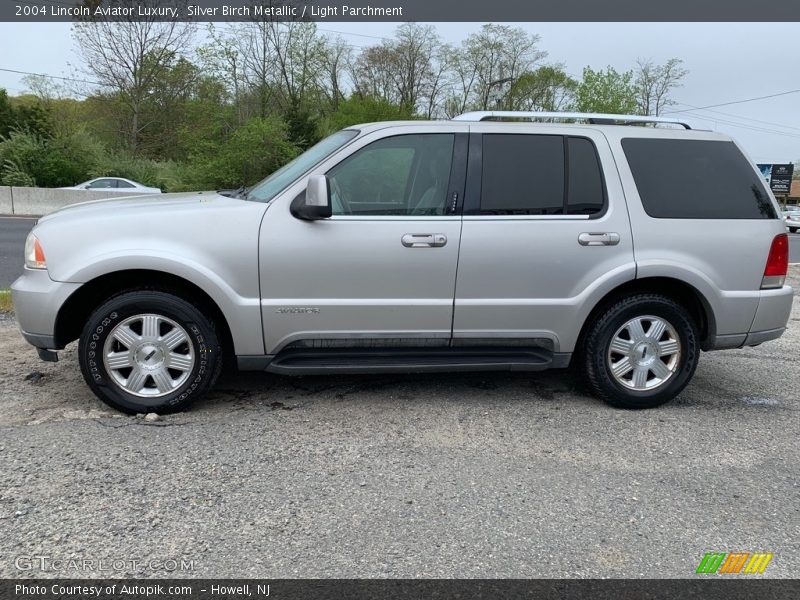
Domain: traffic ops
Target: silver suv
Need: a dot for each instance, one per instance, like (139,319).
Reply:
(495,241)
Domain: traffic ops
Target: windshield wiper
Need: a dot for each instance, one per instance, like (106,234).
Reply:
(240,192)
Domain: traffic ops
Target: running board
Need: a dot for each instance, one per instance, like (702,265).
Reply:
(319,362)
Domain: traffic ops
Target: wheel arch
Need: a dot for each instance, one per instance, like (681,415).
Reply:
(76,310)
(680,291)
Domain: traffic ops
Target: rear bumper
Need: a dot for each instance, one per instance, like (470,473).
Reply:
(754,338)
(774,309)
(769,322)
(37,300)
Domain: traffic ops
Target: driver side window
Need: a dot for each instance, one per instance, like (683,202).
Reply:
(406,175)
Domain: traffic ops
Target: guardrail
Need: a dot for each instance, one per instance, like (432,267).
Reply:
(35,202)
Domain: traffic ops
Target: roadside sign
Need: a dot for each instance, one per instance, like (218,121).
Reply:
(778,177)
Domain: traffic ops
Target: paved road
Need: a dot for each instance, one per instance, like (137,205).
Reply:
(484,475)
(14,230)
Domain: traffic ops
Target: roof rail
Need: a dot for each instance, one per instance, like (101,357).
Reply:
(593,118)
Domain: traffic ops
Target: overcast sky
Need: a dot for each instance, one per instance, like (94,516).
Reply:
(727,62)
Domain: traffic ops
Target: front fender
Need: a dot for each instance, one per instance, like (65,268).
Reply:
(239,305)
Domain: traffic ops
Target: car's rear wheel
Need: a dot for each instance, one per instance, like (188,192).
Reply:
(641,351)
(792,229)
(149,351)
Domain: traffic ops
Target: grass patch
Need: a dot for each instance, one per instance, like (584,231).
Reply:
(5,301)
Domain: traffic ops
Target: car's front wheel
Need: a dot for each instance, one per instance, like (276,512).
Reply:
(149,351)
(641,351)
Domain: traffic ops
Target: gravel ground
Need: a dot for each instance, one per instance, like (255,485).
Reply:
(404,476)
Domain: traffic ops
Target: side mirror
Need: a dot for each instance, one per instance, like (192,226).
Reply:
(315,203)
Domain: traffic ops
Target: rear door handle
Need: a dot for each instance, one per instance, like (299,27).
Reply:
(598,239)
(424,240)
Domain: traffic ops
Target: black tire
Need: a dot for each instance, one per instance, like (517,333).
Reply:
(792,229)
(201,335)
(600,334)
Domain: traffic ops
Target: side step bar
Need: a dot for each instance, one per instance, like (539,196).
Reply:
(318,362)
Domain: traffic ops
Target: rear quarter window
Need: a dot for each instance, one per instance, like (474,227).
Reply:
(696,179)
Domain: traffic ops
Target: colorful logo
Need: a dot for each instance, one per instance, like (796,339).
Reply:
(734,562)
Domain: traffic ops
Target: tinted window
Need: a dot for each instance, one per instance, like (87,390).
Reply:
(103,183)
(400,175)
(522,174)
(696,179)
(585,190)
(123,184)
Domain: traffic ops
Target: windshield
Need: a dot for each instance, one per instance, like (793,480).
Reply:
(270,187)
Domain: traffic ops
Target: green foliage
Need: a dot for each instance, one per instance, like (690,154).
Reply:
(28,158)
(301,128)
(606,92)
(23,113)
(20,157)
(362,109)
(6,304)
(247,155)
(547,88)
(12,175)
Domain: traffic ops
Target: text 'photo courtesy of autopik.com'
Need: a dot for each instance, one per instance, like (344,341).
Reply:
(399,299)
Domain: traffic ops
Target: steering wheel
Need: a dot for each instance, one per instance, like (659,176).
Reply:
(337,189)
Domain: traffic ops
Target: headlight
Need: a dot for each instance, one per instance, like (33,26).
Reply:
(34,255)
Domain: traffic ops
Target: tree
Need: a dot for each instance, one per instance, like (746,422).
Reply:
(364,109)
(606,92)
(222,60)
(249,154)
(164,112)
(407,71)
(336,61)
(654,84)
(487,65)
(128,58)
(548,88)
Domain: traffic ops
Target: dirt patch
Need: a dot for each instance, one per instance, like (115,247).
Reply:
(35,391)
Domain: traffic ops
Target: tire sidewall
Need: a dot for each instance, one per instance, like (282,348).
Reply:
(99,326)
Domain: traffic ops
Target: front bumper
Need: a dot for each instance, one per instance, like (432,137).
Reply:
(37,300)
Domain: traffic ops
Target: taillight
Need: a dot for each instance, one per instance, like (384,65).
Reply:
(777,263)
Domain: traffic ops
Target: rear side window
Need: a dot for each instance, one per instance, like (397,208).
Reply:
(696,179)
(526,174)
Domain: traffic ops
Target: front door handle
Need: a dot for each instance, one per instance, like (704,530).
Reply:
(598,239)
(424,240)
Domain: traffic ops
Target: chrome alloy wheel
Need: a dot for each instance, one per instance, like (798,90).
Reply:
(644,353)
(148,355)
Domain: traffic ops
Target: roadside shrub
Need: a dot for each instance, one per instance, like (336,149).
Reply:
(11,175)
(29,157)
(250,153)
(362,109)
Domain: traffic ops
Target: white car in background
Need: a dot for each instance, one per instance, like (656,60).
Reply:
(791,215)
(117,184)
